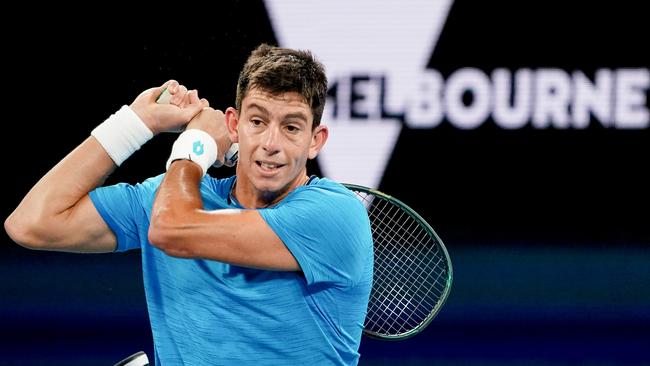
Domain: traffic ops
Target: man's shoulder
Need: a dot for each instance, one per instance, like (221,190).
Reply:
(320,186)
(326,190)
(326,184)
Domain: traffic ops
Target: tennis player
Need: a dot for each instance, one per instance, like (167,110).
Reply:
(268,267)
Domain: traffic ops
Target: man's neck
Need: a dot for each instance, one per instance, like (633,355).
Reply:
(248,197)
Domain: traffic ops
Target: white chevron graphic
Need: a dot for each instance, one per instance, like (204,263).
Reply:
(390,39)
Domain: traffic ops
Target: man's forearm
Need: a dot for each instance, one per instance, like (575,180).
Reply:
(177,199)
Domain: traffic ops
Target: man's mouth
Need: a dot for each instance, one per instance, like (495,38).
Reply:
(268,165)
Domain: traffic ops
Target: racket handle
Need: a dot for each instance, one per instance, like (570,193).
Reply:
(164,97)
(136,359)
(233,152)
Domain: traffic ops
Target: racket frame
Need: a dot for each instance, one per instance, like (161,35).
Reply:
(425,225)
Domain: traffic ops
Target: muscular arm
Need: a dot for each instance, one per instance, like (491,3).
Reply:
(57,213)
(181,228)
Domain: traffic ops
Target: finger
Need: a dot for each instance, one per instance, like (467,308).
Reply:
(178,95)
(193,105)
(171,84)
(163,93)
(205,102)
(192,97)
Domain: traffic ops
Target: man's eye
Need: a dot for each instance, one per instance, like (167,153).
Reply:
(291,128)
(256,122)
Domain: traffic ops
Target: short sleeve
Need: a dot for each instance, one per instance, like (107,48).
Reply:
(327,231)
(120,206)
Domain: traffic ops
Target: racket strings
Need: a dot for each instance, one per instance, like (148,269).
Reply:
(396,280)
(410,273)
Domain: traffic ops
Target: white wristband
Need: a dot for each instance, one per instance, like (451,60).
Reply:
(197,146)
(122,134)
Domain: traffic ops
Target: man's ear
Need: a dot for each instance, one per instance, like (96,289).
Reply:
(232,121)
(318,139)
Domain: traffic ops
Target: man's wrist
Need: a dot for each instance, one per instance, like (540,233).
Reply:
(197,146)
(122,134)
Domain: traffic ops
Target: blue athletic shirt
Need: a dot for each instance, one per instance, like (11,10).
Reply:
(205,312)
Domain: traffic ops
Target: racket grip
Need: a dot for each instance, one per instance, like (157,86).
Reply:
(233,152)
(136,359)
(164,97)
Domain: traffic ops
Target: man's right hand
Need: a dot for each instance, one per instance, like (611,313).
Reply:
(213,121)
(172,117)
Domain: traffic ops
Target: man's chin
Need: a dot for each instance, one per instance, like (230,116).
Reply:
(269,193)
(267,188)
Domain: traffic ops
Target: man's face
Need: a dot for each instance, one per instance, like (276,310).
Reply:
(275,140)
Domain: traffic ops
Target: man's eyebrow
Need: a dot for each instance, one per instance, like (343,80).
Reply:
(296,115)
(258,107)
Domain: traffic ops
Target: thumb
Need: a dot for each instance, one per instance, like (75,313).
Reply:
(157,92)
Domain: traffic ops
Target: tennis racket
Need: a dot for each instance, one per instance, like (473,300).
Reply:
(412,270)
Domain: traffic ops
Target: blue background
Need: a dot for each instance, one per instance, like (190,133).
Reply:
(547,229)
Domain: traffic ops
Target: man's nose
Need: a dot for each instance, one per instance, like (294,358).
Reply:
(271,140)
